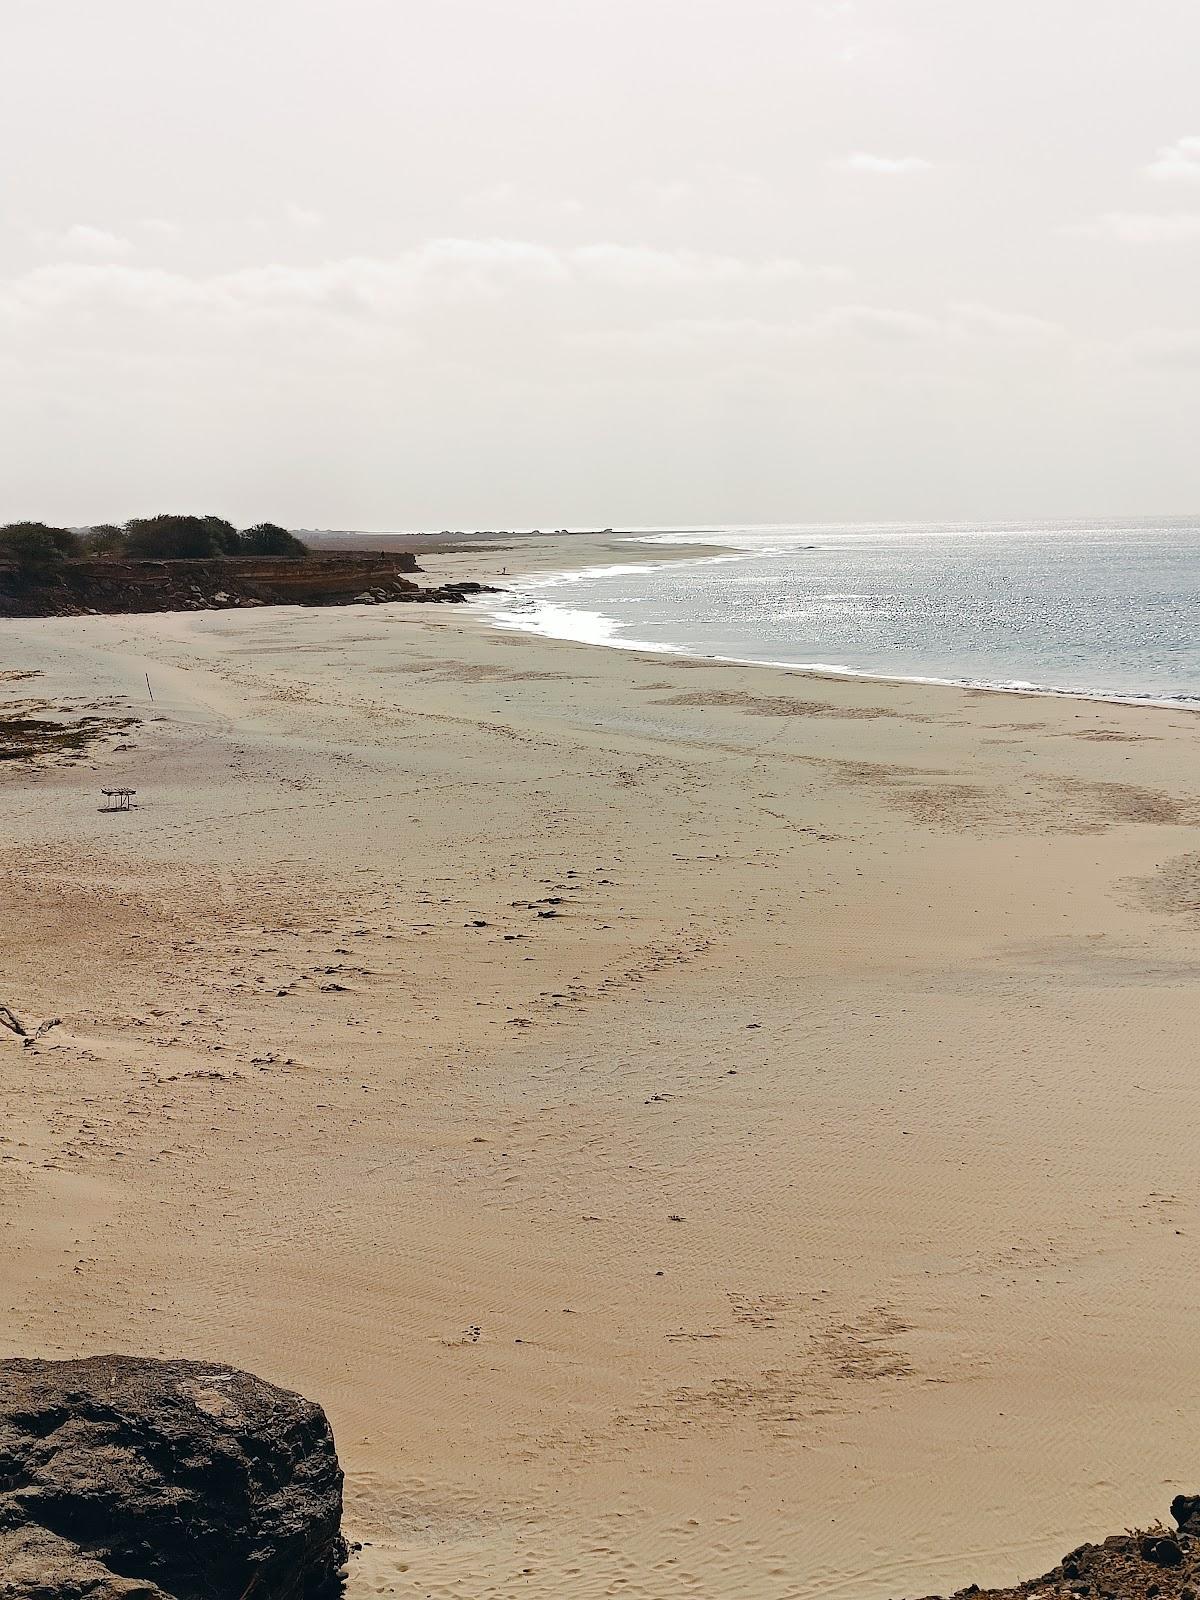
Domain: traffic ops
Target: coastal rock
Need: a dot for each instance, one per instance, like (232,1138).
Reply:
(1152,1565)
(38,1565)
(123,1478)
(1162,1549)
(115,586)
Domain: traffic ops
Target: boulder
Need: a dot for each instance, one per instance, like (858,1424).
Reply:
(1163,1549)
(124,1478)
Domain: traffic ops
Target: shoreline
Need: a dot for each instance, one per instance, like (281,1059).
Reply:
(447,987)
(826,672)
(704,552)
(450,552)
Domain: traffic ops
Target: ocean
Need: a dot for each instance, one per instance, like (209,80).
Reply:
(1108,609)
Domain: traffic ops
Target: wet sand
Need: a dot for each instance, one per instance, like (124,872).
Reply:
(698,1129)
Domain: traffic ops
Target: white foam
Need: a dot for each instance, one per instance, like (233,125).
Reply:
(527,608)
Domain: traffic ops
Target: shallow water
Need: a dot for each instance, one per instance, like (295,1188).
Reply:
(1110,609)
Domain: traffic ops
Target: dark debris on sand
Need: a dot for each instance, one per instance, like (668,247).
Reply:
(25,738)
(1152,1564)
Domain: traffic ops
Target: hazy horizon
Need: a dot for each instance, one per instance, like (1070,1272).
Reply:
(373,266)
(791,524)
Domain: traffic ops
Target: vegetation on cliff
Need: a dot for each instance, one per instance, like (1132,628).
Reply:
(36,550)
(184,563)
(186,538)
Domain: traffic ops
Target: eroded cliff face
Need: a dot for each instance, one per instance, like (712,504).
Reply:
(80,587)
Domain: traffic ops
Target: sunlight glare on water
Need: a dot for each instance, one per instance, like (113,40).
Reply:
(1108,609)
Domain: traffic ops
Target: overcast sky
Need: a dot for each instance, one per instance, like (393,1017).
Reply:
(496,263)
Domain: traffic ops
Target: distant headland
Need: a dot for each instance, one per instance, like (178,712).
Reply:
(181,563)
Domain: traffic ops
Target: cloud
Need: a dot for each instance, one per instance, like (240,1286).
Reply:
(956,330)
(875,324)
(1177,162)
(1012,328)
(438,292)
(1142,227)
(447,272)
(302,216)
(510,198)
(498,196)
(709,183)
(959,325)
(65,285)
(81,239)
(1163,349)
(633,267)
(883,166)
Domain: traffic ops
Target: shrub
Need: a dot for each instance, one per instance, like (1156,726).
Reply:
(105,539)
(269,539)
(224,535)
(173,538)
(35,549)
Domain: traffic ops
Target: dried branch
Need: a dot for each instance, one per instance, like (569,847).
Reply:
(9,1019)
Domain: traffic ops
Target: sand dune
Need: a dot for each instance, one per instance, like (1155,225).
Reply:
(699,1130)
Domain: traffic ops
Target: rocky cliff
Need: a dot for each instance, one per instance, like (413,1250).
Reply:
(117,586)
(123,1478)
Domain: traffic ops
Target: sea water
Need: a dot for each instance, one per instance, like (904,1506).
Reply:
(1110,609)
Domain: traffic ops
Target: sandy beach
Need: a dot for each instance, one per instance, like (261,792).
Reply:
(698,1129)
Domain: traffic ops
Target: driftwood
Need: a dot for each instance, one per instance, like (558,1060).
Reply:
(9,1019)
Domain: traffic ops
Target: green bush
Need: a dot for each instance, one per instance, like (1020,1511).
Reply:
(105,539)
(269,539)
(35,549)
(173,538)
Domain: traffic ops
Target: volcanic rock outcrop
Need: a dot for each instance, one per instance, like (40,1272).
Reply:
(124,1478)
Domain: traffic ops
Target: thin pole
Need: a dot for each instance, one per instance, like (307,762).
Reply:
(148,686)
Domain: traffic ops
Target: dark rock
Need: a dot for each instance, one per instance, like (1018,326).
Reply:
(1161,1549)
(38,1565)
(1138,1566)
(1185,1508)
(123,1478)
(114,587)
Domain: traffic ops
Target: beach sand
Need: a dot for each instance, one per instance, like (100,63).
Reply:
(698,1129)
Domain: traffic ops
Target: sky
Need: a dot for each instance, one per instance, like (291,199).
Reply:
(590,263)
